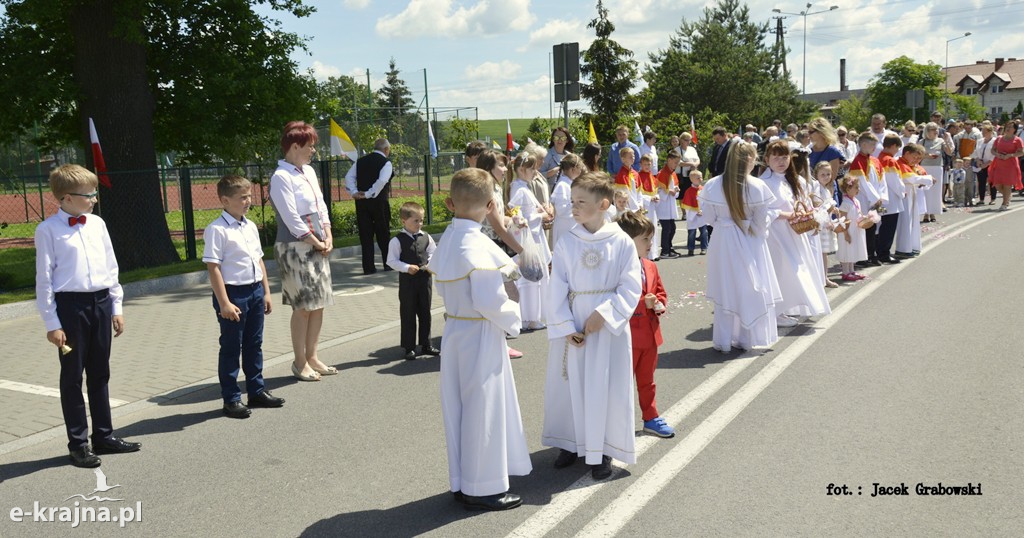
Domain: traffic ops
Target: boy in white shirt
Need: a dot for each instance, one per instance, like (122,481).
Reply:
(409,253)
(241,297)
(80,300)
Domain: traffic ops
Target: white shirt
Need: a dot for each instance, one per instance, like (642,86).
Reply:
(382,179)
(234,245)
(984,153)
(76,258)
(881,141)
(689,159)
(395,250)
(653,152)
(296,192)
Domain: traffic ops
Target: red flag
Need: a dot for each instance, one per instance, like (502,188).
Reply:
(97,156)
(693,131)
(508,137)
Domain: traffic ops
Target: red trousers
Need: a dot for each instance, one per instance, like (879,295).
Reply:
(645,360)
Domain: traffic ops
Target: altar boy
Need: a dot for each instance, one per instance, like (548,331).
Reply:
(482,424)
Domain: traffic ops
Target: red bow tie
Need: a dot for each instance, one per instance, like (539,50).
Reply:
(76,220)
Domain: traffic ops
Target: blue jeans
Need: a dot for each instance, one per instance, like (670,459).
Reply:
(245,336)
(691,236)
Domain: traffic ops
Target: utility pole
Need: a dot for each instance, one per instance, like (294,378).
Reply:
(780,41)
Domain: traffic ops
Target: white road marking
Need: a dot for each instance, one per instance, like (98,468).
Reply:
(620,511)
(564,503)
(40,390)
(352,293)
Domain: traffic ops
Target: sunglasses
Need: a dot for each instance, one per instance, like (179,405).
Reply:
(559,137)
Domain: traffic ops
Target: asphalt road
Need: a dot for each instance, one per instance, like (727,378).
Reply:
(915,378)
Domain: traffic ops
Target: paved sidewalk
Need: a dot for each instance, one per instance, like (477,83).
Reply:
(170,346)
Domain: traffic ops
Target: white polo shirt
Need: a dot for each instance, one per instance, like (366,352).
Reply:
(234,245)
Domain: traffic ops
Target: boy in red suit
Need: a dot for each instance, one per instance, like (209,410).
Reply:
(645,325)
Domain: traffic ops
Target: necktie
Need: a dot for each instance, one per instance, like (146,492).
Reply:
(418,235)
(76,220)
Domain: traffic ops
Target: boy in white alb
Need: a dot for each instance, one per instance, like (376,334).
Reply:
(482,424)
(594,289)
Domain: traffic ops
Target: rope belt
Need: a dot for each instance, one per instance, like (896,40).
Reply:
(450,316)
(572,298)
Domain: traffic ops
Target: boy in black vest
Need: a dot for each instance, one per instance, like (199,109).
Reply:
(408,253)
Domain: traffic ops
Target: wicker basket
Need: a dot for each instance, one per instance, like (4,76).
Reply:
(803,220)
(865,223)
(841,225)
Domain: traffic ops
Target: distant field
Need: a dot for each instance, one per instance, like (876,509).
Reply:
(496,129)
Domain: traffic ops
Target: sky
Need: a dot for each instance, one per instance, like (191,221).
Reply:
(494,54)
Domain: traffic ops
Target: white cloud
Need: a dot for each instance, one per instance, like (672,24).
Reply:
(558,31)
(446,18)
(322,71)
(356,4)
(500,99)
(491,71)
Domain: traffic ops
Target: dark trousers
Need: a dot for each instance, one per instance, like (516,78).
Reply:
(85,319)
(886,235)
(414,296)
(691,238)
(245,335)
(870,239)
(373,217)
(982,182)
(668,231)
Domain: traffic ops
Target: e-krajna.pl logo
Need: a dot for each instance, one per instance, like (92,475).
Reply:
(82,511)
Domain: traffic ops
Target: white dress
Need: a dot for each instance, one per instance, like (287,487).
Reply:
(667,206)
(589,391)
(482,423)
(531,297)
(826,237)
(561,199)
(908,231)
(857,249)
(798,269)
(741,280)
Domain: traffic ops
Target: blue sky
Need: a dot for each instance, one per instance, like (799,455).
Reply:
(493,54)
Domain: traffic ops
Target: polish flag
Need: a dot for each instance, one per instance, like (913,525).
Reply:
(97,156)
(693,131)
(508,136)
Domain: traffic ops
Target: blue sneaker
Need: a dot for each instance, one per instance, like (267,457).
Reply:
(657,426)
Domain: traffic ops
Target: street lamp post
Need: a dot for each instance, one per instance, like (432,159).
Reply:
(805,13)
(946,70)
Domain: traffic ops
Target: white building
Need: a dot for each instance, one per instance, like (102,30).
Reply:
(998,85)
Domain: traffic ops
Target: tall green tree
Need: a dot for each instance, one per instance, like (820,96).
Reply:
(720,62)
(854,113)
(887,90)
(200,77)
(611,71)
(342,98)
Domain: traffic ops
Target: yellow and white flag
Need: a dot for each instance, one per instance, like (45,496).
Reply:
(341,144)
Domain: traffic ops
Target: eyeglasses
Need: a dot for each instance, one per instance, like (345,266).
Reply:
(558,137)
(91,195)
(841,134)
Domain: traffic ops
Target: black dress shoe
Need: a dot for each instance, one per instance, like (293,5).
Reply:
(265,399)
(565,459)
(236,410)
(459,496)
(369,271)
(889,261)
(388,268)
(410,355)
(495,503)
(430,350)
(602,470)
(115,445)
(84,457)
(873,263)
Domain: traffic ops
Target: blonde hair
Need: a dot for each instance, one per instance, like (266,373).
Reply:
(825,129)
(523,159)
(471,188)
(597,183)
(734,180)
(823,165)
(70,177)
(623,150)
(620,194)
(233,184)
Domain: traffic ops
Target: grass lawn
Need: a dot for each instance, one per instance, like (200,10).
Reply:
(496,129)
(18,265)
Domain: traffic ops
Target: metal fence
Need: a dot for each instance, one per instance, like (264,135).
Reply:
(190,202)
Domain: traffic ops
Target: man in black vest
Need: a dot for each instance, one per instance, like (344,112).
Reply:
(369,182)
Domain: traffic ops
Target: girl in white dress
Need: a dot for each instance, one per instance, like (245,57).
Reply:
(853,244)
(521,197)
(568,169)
(797,266)
(741,280)
(825,205)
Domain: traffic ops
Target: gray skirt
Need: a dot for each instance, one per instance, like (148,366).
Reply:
(305,276)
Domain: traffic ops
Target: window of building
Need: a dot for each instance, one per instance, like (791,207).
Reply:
(997,88)
(971,90)
(996,111)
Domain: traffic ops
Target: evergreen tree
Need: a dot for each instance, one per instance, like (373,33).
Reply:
(721,63)
(611,72)
(395,95)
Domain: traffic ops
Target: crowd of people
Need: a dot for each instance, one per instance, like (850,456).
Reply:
(542,240)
